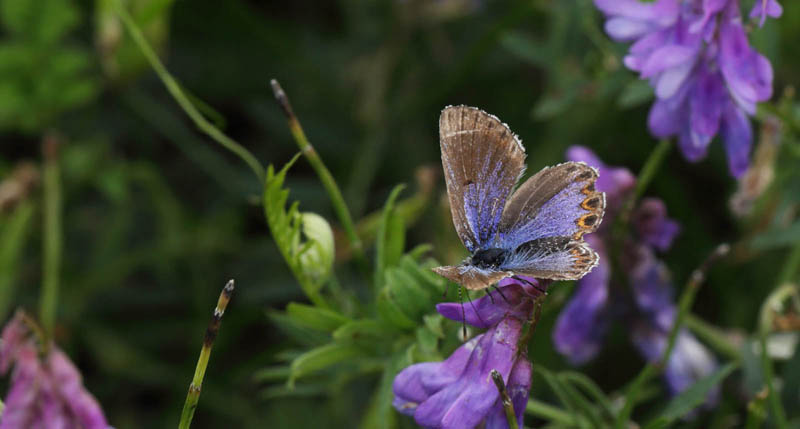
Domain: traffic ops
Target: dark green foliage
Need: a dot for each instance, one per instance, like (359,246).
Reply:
(157,216)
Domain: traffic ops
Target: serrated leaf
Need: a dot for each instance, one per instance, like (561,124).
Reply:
(680,405)
(635,93)
(390,240)
(321,358)
(320,319)
(285,226)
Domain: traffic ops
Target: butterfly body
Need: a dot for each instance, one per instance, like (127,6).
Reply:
(538,229)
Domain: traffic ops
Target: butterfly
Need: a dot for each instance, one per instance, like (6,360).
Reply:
(535,231)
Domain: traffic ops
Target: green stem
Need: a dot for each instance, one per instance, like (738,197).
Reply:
(712,336)
(183,100)
(550,413)
(765,323)
(508,405)
(654,368)
(202,362)
(646,175)
(52,235)
(339,206)
(790,267)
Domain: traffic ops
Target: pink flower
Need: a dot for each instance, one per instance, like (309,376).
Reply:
(46,390)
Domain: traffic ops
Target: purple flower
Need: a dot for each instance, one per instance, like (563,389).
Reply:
(707,79)
(643,296)
(46,391)
(459,392)
(764,8)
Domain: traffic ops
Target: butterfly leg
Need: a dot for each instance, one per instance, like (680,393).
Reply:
(535,286)
(463,313)
(501,294)
(473,308)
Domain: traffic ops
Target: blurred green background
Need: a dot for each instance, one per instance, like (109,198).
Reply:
(157,217)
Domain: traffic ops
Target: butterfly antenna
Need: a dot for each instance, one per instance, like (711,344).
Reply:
(446,289)
(501,294)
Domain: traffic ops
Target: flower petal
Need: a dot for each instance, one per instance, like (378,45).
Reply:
(738,136)
(581,325)
(467,401)
(652,224)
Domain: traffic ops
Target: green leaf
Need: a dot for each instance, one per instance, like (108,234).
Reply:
(381,414)
(554,104)
(406,291)
(527,49)
(285,226)
(777,237)
(14,230)
(320,358)
(390,240)
(297,331)
(635,93)
(679,406)
(581,381)
(44,21)
(320,319)
(366,330)
(389,311)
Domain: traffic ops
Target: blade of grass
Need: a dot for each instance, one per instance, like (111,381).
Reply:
(202,362)
(52,235)
(684,305)
(180,96)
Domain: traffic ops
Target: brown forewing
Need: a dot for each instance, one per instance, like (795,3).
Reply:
(479,150)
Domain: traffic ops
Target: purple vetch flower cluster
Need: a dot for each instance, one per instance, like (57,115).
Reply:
(459,392)
(46,391)
(707,78)
(644,299)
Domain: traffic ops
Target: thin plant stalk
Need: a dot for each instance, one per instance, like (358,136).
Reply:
(550,413)
(52,235)
(337,200)
(202,362)
(646,175)
(508,405)
(652,369)
(765,323)
(183,99)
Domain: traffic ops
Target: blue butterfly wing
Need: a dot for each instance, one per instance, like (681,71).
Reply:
(482,161)
(544,222)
